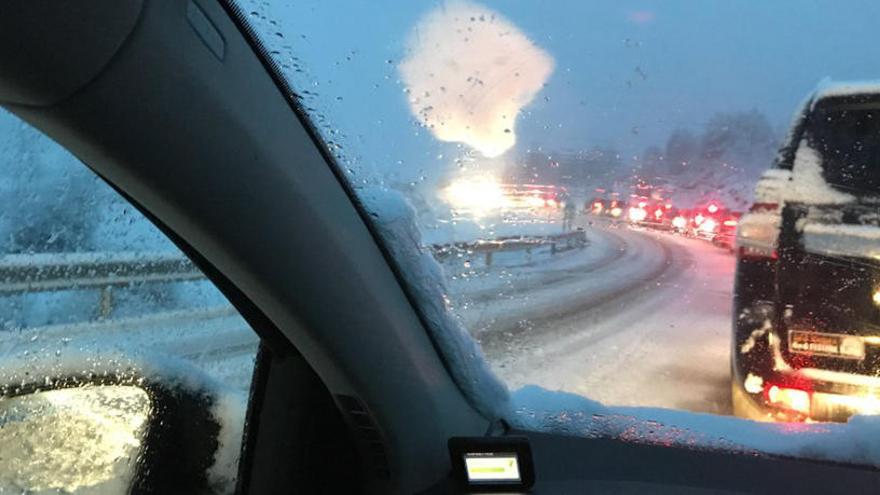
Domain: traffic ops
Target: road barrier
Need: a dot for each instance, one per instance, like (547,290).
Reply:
(45,272)
(102,271)
(203,335)
(559,242)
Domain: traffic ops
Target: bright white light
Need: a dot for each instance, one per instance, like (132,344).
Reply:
(497,467)
(791,398)
(699,219)
(679,222)
(637,214)
(708,225)
(876,297)
(615,212)
(469,72)
(753,384)
(712,208)
(534,202)
(477,194)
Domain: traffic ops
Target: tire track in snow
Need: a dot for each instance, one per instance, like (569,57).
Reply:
(598,293)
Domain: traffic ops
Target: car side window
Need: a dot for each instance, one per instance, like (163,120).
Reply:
(83,276)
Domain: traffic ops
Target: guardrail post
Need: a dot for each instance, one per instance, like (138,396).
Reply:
(106,303)
(488,258)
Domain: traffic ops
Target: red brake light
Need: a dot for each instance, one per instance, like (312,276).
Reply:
(712,208)
(756,253)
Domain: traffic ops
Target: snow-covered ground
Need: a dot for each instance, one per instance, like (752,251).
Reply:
(638,318)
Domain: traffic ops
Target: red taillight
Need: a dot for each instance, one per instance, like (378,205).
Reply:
(792,399)
(712,208)
(754,252)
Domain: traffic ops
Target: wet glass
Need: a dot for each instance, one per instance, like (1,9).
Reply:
(849,140)
(591,192)
(76,440)
(84,277)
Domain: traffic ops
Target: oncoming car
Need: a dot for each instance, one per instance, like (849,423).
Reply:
(806,342)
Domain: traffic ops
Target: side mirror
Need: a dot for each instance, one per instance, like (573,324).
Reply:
(115,424)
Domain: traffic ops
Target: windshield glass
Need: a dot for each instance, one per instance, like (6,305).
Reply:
(586,202)
(849,142)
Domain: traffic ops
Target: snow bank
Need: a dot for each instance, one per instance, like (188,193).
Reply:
(395,220)
(468,74)
(856,442)
(807,183)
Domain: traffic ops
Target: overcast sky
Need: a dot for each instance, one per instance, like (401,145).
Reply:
(624,73)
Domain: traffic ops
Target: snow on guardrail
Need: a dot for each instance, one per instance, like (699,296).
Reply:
(66,271)
(559,242)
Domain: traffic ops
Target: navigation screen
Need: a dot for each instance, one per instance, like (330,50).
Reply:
(492,467)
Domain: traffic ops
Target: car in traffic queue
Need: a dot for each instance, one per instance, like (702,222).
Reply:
(725,233)
(596,206)
(707,219)
(615,209)
(681,221)
(806,329)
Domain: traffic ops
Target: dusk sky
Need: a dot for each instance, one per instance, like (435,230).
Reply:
(624,73)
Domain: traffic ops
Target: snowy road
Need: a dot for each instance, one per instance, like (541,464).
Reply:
(639,318)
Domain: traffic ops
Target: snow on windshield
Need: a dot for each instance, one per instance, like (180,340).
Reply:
(571,194)
(468,74)
(88,285)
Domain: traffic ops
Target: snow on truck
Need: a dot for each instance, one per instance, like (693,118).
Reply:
(806,329)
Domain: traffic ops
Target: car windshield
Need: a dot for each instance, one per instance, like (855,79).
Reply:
(588,204)
(849,142)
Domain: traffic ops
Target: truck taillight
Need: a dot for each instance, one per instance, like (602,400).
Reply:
(758,252)
(792,399)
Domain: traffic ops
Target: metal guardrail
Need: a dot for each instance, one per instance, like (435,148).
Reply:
(559,242)
(102,271)
(69,271)
(43,272)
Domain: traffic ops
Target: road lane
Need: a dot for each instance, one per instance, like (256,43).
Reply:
(647,328)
